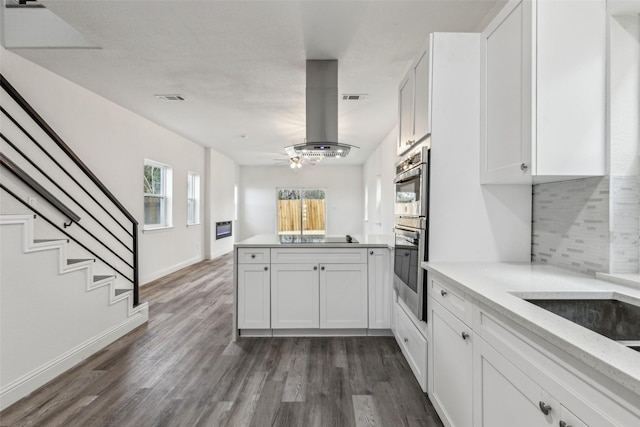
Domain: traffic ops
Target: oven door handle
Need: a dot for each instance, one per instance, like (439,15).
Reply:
(408,175)
(407,232)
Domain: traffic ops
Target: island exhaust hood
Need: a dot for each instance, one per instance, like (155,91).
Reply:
(322,113)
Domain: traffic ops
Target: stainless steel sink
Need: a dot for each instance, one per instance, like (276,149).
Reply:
(615,319)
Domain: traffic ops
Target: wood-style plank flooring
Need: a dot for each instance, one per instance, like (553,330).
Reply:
(181,369)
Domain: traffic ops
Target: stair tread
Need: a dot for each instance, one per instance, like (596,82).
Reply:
(77,260)
(100,277)
(48,240)
(122,291)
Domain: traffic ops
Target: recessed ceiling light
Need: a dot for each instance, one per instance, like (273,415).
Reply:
(172,97)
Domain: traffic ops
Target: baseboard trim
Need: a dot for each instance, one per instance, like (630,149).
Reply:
(31,381)
(165,271)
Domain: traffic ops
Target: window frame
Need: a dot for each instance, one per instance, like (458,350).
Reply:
(301,191)
(193,193)
(165,195)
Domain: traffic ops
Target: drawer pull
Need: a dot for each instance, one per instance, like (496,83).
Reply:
(443,292)
(266,268)
(315,267)
(253,256)
(322,268)
(563,424)
(406,339)
(465,335)
(544,408)
(370,252)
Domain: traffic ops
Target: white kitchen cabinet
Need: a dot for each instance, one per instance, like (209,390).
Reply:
(517,384)
(295,296)
(451,378)
(413,344)
(319,288)
(380,278)
(509,397)
(414,102)
(543,80)
(343,296)
(254,300)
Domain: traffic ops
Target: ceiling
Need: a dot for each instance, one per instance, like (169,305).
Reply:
(240,65)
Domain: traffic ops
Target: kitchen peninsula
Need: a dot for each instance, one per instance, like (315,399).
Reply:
(312,285)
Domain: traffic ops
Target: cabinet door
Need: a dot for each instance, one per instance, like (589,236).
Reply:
(343,296)
(380,284)
(422,95)
(294,296)
(452,367)
(405,107)
(254,296)
(506,95)
(506,396)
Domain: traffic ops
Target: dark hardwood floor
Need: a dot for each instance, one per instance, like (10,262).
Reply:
(181,369)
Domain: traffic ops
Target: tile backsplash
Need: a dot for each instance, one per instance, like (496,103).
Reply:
(588,225)
(570,224)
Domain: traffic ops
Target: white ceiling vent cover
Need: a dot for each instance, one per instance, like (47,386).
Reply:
(170,97)
(354,97)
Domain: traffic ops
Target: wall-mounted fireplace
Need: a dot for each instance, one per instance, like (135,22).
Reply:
(223,229)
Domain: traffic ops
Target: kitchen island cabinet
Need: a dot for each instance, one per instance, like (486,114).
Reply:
(253,277)
(313,288)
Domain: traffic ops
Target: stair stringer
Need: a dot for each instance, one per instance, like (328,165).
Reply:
(30,244)
(34,377)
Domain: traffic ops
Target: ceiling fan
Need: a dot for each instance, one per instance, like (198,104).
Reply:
(296,162)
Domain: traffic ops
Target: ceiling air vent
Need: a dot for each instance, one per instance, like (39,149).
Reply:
(170,97)
(353,97)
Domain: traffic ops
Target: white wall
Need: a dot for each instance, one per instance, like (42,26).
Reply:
(221,181)
(114,142)
(258,196)
(380,167)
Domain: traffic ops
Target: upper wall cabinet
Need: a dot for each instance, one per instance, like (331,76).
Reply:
(543,105)
(414,102)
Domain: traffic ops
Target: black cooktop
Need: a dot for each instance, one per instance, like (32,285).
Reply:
(314,238)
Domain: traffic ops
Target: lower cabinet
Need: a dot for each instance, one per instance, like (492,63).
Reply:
(510,398)
(329,296)
(413,344)
(295,296)
(343,296)
(380,277)
(254,302)
(488,371)
(452,373)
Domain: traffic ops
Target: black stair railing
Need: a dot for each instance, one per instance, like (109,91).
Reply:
(130,227)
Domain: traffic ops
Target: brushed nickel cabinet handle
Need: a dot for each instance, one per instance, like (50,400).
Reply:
(544,408)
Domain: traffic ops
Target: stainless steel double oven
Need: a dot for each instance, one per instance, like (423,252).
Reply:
(411,229)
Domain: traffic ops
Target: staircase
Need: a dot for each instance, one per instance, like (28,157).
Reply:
(68,256)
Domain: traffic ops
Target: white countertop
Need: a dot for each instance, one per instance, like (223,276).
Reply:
(494,284)
(364,240)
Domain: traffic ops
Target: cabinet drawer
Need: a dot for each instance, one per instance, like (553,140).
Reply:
(253,255)
(319,256)
(450,298)
(413,345)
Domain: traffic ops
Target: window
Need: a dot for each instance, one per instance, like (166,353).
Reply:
(301,211)
(157,195)
(193,198)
